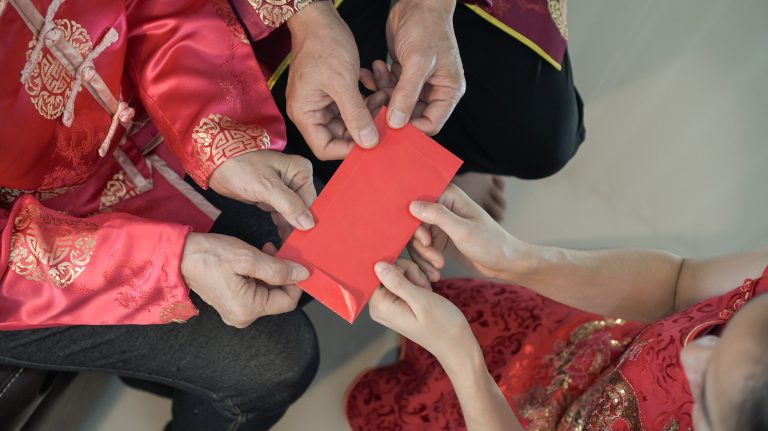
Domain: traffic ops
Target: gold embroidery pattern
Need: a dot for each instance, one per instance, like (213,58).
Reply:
(50,249)
(50,83)
(218,138)
(118,189)
(606,405)
(224,11)
(575,364)
(557,9)
(274,13)
(8,196)
(177,312)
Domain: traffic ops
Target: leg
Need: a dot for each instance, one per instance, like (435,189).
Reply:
(221,378)
(519,117)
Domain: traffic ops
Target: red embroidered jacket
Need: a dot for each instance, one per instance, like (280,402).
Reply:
(157,88)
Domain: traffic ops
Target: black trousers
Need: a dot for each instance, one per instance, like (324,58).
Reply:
(219,377)
(519,116)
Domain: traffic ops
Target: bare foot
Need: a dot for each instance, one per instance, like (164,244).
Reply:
(485,189)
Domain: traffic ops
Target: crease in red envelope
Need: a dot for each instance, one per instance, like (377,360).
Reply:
(362,216)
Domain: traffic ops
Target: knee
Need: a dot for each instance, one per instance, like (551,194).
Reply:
(547,152)
(278,367)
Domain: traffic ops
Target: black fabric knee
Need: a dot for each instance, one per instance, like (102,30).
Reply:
(519,116)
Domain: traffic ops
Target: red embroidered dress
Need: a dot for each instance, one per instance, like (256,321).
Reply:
(105,104)
(560,368)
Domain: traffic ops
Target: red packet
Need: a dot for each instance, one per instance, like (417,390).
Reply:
(362,215)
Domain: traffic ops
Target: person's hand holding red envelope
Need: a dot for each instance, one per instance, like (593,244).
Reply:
(362,216)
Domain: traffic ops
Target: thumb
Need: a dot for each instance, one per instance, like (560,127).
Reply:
(397,283)
(406,93)
(288,203)
(357,118)
(439,215)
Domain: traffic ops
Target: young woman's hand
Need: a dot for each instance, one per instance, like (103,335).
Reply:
(457,225)
(406,304)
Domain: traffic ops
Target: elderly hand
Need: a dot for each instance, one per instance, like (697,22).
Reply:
(239,281)
(322,97)
(406,304)
(279,183)
(427,64)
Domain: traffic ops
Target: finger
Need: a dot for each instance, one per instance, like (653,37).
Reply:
(368,79)
(289,204)
(423,236)
(430,254)
(355,114)
(269,249)
(384,77)
(499,182)
(414,75)
(413,273)
(438,104)
(298,177)
(432,273)
(396,282)
(439,215)
(282,300)
(271,270)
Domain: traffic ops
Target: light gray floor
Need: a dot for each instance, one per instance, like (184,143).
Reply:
(676,158)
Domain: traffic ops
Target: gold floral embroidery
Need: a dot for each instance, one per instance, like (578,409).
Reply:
(609,402)
(118,189)
(50,83)
(557,9)
(50,249)
(218,138)
(575,364)
(273,13)
(224,11)
(177,312)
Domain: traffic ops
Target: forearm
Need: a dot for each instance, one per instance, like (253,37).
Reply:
(633,284)
(482,403)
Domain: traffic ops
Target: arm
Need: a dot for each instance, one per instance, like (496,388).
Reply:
(643,285)
(203,88)
(629,283)
(406,304)
(482,403)
(108,269)
(117,269)
(200,84)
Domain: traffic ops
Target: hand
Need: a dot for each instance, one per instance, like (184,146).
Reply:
(427,64)
(238,280)
(322,97)
(406,304)
(457,225)
(279,183)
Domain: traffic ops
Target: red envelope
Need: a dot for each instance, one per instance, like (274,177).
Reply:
(362,216)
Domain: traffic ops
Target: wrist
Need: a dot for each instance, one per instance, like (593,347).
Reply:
(307,19)
(466,363)
(521,260)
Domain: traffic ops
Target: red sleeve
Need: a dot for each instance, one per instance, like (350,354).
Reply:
(200,82)
(108,269)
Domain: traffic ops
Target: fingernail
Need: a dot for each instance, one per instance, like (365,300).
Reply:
(369,137)
(306,221)
(298,272)
(396,118)
(381,268)
(416,208)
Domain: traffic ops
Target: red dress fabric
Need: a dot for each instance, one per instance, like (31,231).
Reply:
(559,368)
